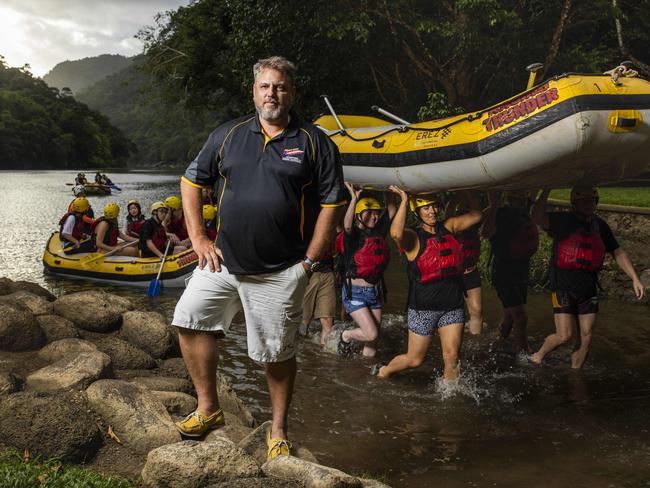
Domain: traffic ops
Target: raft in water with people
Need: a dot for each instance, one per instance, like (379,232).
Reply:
(97,189)
(571,129)
(125,270)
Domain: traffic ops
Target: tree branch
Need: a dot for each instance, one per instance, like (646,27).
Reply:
(557,37)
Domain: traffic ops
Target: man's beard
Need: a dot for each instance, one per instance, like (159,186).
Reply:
(272,115)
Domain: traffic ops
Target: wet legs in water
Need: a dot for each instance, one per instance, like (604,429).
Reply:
(451,337)
(563,334)
(369,322)
(475,309)
(326,329)
(515,319)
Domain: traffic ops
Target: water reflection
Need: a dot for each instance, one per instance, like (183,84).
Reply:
(506,424)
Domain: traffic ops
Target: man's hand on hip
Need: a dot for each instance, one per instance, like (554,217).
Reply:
(208,253)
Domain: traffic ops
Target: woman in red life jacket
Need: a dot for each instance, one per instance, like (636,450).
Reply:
(366,256)
(470,241)
(134,218)
(153,236)
(581,240)
(72,228)
(435,266)
(106,232)
(175,223)
(210,221)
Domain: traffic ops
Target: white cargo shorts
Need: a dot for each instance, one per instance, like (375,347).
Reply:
(272,305)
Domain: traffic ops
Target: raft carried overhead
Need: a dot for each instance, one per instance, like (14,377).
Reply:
(124,270)
(573,128)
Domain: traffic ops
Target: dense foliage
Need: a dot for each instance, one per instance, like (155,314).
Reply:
(164,131)
(82,73)
(42,127)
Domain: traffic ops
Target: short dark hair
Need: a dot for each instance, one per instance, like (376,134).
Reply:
(279,63)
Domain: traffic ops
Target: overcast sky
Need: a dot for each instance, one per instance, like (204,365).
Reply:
(42,33)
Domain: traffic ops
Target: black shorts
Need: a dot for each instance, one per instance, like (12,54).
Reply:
(472,279)
(512,295)
(574,304)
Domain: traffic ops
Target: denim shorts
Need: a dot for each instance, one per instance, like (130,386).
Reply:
(362,297)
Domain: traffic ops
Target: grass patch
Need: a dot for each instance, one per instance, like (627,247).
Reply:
(632,196)
(17,471)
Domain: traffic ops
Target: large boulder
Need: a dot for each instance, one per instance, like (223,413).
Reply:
(71,372)
(233,430)
(163,383)
(5,286)
(19,330)
(52,425)
(257,483)
(125,355)
(95,311)
(32,288)
(65,347)
(57,328)
(150,332)
(174,367)
(192,464)
(35,303)
(311,474)
(136,415)
(254,444)
(175,402)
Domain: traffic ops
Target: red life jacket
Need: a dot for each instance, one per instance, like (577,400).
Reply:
(440,256)
(110,238)
(211,229)
(369,259)
(77,231)
(178,227)
(134,227)
(584,249)
(470,242)
(524,242)
(158,237)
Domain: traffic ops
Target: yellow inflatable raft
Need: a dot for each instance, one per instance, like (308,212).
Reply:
(118,269)
(573,128)
(97,189)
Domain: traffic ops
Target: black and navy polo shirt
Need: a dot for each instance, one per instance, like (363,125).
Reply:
(269,190)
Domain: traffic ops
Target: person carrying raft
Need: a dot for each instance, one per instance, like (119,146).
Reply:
(153,236)
(106,232)
(74,239)
(365,256)
(134,218)
(580,241)
(513,240)
(470,241)
(436,290)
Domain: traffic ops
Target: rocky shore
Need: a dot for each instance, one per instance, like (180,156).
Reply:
(87,379)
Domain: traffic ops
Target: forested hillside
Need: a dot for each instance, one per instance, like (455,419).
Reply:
(79,74)
(164,131)
(42,127)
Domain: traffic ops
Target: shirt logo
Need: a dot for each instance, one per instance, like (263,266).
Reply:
(293,155)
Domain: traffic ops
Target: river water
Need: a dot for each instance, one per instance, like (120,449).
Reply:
(507,425)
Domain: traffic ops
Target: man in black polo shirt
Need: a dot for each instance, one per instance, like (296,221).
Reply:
(279,193)
(580,241)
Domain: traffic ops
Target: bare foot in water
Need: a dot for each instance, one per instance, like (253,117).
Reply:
(535,359)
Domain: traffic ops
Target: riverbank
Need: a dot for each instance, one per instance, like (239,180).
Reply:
(88,380)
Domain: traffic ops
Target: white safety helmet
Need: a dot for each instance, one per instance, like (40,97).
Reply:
(78,190)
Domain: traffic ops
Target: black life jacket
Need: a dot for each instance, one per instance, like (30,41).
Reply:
(524,242)
(470,242)
(584,249)
(440,256)
(110,238)
(77,231)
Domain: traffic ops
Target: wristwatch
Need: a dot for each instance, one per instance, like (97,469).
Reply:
(313,265)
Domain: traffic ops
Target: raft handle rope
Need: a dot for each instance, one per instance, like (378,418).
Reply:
(623,70)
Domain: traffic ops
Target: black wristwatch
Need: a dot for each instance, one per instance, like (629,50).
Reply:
(313,265)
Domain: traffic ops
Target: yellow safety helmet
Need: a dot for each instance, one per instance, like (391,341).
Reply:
(173,202)
(582,192)
(80,204)
(111,210)
(209,212)
(367,203)
(157,205)
(417,201)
